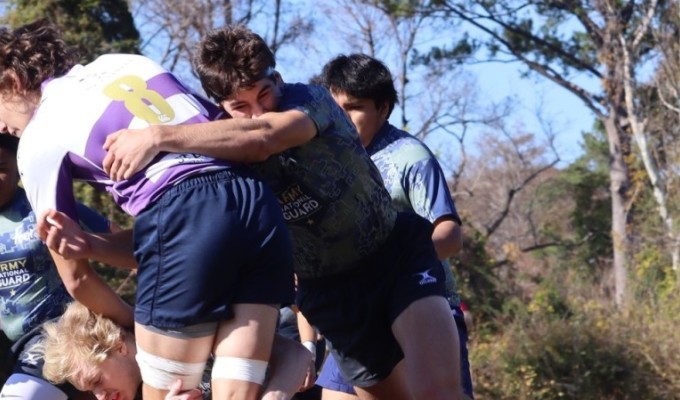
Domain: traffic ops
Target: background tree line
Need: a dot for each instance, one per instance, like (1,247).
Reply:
(570,267)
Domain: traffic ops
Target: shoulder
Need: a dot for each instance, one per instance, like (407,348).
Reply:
(317,103)
(396,142)
(39,143)
(18,207)
(298,94)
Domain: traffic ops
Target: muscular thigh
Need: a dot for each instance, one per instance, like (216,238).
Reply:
(174,346)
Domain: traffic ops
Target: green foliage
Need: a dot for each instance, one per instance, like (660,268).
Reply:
(549,301)
(94,27)
(399,8)
(592,354)
(102,202)
(477,282)
(654,279)
(458,52)
(586,182)
(120,280)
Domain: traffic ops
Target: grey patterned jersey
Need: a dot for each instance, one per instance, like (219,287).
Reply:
(331,193)
(415,181)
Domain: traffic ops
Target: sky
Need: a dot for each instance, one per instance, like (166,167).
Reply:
(495,81)
(569,114)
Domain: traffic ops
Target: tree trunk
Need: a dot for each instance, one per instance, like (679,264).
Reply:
(228,12)
(656,177)
(618,173)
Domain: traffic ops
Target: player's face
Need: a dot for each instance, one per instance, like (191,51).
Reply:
(9,176)
(367,117)
(261,98)
(116,378)
(15,112)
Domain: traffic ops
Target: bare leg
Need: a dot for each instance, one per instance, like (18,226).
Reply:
(193,350)
(428,336)
(249,335)
(287,367)
(327,394)
(394,387)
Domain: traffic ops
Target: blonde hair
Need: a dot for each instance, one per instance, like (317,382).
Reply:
(76,343)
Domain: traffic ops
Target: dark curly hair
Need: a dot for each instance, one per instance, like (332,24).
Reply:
(31,54)
(230,59)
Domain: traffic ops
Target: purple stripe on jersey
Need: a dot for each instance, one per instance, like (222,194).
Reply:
(83,171)
(166,85)
(117,117)
(64,200)
(214,112)
(135,194)
(114,118)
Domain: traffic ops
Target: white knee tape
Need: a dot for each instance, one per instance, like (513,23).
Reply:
(161,373)
(242,369)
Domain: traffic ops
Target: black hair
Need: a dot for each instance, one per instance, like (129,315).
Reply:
(360,76)
(9,142)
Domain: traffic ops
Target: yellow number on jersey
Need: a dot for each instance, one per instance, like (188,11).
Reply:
(141,101)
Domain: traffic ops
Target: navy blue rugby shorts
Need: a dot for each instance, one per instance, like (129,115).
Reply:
(331,378)
(355,310)
(211,241)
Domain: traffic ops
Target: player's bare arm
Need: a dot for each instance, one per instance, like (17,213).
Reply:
(447,238)
(85,285)
(238,140)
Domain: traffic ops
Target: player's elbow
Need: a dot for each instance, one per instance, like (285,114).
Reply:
(456,245)
(449,243)
(446,250)
(75,284)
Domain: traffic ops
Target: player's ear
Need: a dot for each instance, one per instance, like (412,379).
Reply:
(383,109)
(124,346)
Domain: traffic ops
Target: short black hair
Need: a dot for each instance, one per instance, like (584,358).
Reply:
(9,142)
(360,76)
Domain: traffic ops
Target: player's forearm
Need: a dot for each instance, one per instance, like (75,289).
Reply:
(84,285)
(237,140)
(115,249)
(306,330)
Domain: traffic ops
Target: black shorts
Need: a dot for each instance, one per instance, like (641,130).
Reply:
(355,310)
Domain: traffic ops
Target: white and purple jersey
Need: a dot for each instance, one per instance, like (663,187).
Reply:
(78,111)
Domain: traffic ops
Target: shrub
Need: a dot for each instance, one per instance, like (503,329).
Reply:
(588,352)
